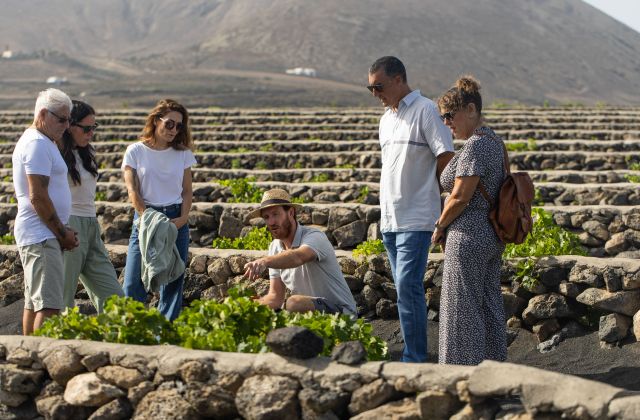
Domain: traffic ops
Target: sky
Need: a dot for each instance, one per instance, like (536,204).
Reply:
(626,11)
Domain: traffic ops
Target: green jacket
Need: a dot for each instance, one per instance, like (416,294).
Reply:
(161,262)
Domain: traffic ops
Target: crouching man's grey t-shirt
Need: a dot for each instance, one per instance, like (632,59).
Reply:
(319,278)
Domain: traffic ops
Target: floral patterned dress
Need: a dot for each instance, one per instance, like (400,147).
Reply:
(472,319)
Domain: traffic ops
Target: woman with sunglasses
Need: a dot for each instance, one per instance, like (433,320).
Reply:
(472,320)
(89,261)
(157,172)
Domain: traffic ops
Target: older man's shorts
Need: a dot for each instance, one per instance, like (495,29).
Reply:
(43,267)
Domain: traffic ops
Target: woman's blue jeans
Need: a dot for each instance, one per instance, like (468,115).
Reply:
(407,253)
(170,303)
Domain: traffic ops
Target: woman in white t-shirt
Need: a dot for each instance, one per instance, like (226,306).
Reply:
(89,261)
(157,171)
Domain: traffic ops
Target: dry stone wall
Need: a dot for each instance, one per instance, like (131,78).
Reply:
(606,231)
(560,194)
(80,380)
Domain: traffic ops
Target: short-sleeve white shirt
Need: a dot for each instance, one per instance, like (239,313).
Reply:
(83,195)
(411,139)
(160,172)
(36,154)
(321,277)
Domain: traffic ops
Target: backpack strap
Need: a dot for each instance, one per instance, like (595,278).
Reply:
(506,159)
(506,170)
(485,194)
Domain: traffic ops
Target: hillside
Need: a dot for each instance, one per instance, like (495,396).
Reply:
(531,51)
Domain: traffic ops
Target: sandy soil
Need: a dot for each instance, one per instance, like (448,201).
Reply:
(581,356)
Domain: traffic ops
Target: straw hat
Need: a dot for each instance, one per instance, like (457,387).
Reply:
(272,198)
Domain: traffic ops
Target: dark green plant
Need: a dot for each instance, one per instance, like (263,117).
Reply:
(257,239)
(519,146)
(546,238)
(364,193)
(242,190)
(524,273)
(124,320)
(236,164)
(336,328)
(7,239)
(366,248)
(321,177)
(537,198)
(101,196)
(239,323)
(127,321)
(71,325)
(635,179)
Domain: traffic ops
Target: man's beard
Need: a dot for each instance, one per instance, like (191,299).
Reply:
(284,230)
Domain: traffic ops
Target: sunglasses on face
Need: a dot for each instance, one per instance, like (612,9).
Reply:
(447,116)
(378,87)
(61,120)
(169,124)
(87,128)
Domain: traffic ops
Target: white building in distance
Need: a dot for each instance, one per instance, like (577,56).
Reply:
(302,71)
(55,80)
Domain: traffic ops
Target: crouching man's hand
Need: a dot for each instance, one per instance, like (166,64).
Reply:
(254,269)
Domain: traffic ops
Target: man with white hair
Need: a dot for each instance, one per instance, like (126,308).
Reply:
(44,205)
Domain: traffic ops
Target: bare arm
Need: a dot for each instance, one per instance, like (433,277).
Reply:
(463,189)
(42,204)
(133,189)
(187,199)
(275,297)
(290,258)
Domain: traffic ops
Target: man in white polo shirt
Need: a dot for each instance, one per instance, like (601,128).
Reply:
(416,146)
(301,259)
(44,205)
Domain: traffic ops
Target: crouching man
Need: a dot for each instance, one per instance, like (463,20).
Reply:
(301,259)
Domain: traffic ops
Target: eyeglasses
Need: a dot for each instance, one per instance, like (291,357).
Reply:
(87,128)
(169,124)
(61,120)
(378,87)
(447,116)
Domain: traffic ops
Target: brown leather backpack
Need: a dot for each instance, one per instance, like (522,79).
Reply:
(511,216)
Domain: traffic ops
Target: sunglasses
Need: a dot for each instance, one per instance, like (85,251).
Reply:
(378,87)
(447,116)
(61,120)
(169,124)
(87,128)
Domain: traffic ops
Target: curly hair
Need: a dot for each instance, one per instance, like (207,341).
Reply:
(465,91)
